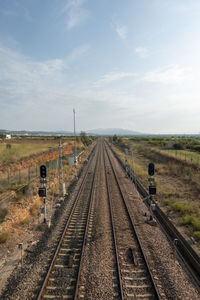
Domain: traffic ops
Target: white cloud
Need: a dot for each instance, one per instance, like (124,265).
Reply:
(112,76)
(141,52)
(168,75)
(22,79)
(121,31)
(75,13)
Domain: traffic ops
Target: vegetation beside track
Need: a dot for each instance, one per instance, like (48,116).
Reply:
(23,204)
(177,178)
(12,152)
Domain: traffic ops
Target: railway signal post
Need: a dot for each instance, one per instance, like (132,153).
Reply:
(20,246)
(42,190)
(152,188)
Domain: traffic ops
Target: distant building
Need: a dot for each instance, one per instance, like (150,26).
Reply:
(8,136)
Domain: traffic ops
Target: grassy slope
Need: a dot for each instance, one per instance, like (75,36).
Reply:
(24,149)
(20,150)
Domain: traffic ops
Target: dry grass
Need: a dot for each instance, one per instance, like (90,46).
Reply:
(20,150)
(25,221)
(35,208)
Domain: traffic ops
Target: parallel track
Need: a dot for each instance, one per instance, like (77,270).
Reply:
(135,279)
(61,281)
(186,254)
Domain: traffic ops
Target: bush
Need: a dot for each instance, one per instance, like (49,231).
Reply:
(196,223)
(85,139)
(178,146)
(197,235)
(195,147)
(3,237)
(34,209)
(117,139)
(167,201)
(182,207)
(25,221)
(3,213)
(186,220)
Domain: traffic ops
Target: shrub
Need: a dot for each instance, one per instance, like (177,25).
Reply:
(3,213)
(167,201)
(195,147)
(186,220)
(25,221)
(34,209)
(197,235)
(178,146)
(182,207)
(3,237)
(196,223)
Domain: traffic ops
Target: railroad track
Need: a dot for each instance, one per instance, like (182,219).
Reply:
(62,278)
(188,258)
(133,278)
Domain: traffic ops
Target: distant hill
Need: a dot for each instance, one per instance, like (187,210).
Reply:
(112,131)
(100,131)
(35,133)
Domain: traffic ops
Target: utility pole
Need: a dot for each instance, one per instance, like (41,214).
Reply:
(75,150)
(62,190)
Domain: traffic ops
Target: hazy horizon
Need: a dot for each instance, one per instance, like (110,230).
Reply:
(132,132)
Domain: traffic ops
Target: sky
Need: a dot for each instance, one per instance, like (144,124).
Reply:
(132,64)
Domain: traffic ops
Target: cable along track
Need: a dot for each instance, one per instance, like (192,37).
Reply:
(135,280)
(61,281)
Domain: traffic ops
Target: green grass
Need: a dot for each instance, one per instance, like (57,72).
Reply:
(184,154)
(182,207)
(197,235)
(196,223)
(186,220)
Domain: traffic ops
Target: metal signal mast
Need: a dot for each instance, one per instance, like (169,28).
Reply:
(75,149)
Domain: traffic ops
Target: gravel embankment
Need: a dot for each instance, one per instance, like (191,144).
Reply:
(98,263)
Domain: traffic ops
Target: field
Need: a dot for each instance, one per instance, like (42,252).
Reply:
(177,176)
(15,150)
(185,155)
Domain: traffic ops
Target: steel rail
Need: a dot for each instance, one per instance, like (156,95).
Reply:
(188,258)
(156,292)
(86,229)
(42,290)
(113,233)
